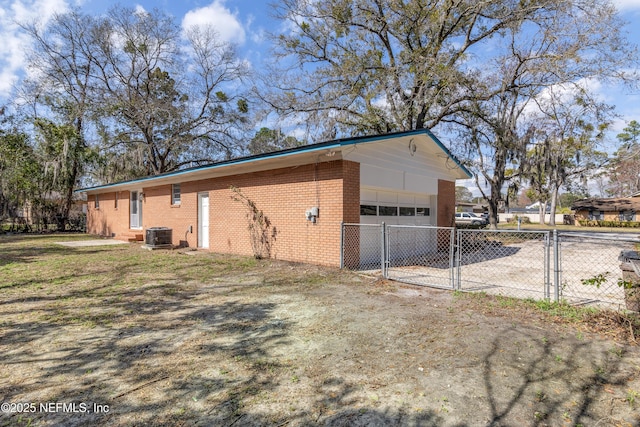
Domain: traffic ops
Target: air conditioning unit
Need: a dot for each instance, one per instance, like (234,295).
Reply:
(158,237)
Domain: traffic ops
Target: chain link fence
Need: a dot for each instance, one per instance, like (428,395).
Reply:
(580,268)
(589,269)
(362,246)
(510,263)
(420,255)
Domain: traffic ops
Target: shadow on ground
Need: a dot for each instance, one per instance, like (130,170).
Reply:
(271,345)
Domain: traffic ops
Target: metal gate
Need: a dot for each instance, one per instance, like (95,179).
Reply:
(420,255)
(504,262)
(580,268)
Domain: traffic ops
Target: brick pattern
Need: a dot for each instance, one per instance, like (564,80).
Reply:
(282,194)
(111,218)
(446,203)
(351,192)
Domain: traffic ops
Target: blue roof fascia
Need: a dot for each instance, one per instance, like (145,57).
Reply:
(283,153)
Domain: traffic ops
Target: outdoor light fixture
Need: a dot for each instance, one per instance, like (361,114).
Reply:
(412,147)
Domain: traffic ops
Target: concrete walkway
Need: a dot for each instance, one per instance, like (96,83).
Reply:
(96,242)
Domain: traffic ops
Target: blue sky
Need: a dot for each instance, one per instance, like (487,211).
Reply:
(243,22)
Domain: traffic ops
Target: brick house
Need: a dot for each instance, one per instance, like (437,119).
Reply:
(607,209)
(305,192)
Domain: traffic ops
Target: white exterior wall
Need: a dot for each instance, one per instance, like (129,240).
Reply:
(533,217)
(391,174)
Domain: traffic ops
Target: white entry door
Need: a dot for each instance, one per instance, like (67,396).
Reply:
(203,220)
(135,210)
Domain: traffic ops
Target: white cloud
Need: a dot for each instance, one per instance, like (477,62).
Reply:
(14,42)
(140,10)
(216,15)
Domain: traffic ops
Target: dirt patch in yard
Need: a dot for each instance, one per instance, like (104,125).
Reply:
(121,336)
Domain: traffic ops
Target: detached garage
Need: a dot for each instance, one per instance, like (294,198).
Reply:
(303,195)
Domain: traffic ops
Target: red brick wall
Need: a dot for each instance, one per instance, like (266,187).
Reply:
(282,194)
(446,203)
(109,220)
(351,192)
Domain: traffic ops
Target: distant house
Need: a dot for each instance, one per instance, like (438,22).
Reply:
(607,209)
(471,207)
(305,192)
(27,215)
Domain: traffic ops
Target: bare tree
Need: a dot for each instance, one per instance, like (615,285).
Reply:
(148,96)
(624,169)
(373,66)
(573,125)
(562,47)
(168,104)
(60,89)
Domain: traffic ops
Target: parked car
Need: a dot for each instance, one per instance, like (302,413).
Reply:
(469,218)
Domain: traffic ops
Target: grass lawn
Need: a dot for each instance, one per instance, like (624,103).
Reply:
(121,336)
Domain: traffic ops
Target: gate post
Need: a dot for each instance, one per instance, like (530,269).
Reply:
(556,267)
(341,245)
(547,266)
(383,250)
(458,258)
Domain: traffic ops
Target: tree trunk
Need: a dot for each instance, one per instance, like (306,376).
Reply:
(542,207)
(554,203)
(493,201)
(493,214)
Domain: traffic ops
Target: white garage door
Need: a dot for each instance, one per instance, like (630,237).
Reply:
(395,208)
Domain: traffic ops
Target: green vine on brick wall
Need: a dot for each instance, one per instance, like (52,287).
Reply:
(262,233)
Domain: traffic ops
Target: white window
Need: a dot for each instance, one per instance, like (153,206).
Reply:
(175,194)
(97,204)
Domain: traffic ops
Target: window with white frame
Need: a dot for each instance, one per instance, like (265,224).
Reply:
(175,194)
(97,202)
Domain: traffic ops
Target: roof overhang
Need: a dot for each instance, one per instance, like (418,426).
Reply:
(294,157)
(606,204)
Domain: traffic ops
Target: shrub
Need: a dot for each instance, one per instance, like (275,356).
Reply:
(514,219)
(607,223)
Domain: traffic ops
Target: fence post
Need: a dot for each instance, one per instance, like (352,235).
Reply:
(341,245)
(556,267)
(452,257)
(547,266)
(458,259)
(383,250)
